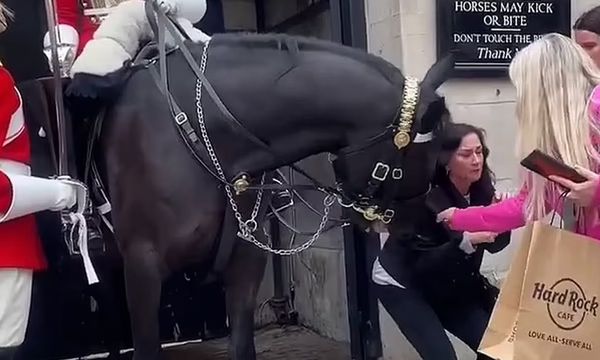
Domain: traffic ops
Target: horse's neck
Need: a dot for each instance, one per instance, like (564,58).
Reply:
(290,139)
(318,102)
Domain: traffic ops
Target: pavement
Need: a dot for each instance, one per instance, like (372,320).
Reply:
(272,343)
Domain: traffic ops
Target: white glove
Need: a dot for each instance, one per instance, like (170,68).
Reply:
(193,10)
(71,193)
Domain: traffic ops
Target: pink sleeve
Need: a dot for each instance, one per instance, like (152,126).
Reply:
(594,109)
(596,199)
(499,217)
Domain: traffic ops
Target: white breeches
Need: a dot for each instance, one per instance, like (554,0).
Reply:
(15,302)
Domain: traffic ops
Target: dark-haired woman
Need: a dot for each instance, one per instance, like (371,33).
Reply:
(431,281)
(586,32)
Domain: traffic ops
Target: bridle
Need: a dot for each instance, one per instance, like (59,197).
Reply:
(385,174)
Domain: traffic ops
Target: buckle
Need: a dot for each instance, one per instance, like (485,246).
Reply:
(380,172)
(370,213)
(397,174)
(181,118)
(388,216)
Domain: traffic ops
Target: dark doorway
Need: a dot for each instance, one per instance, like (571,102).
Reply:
(341,21)
(65,320)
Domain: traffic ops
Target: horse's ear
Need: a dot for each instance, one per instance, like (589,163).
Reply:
(439,72)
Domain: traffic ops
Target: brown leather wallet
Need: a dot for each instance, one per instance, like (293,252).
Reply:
(545,165)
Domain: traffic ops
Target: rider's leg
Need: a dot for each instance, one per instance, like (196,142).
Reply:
(15,302)
(417,321)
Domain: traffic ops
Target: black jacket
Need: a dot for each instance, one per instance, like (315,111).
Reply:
(442,270)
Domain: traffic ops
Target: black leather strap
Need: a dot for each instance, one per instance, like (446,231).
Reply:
(158,25)
(164,22)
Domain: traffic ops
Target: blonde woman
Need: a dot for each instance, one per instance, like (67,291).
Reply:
(558,112)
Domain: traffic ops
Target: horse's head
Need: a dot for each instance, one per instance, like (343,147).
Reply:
(384,178)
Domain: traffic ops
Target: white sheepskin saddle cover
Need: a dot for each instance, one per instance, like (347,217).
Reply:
(120,36)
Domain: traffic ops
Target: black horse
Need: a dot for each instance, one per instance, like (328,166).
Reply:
(293,97)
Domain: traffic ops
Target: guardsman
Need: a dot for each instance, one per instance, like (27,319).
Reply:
(21,195)
(78,20)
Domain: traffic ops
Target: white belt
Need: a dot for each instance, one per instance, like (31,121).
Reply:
(14,167)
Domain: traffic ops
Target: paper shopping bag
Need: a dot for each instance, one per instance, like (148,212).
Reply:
(498,339)
(557,314)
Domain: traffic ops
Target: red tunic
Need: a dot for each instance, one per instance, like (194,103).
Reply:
(70,12)
(20,245)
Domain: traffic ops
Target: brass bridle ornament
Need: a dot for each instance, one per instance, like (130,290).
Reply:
(407,113)
(402,139)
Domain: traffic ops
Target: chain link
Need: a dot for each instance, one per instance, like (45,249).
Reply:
(329,200)
(248,227)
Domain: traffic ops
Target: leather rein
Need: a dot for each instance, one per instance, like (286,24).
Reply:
(401,127)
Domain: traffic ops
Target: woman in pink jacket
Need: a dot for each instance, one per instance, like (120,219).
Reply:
(558,112)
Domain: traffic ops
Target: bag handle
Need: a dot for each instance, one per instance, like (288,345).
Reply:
(569,219)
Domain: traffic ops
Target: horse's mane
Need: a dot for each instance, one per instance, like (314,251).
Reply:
(92,88)
(281,41)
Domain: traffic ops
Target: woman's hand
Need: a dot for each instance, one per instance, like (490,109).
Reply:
(501,196)
(483,237)
(581,193)
(446,215)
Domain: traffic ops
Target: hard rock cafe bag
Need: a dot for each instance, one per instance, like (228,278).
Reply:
(548,307)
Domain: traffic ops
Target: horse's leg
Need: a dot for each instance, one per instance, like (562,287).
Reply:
(242,280)
(143,283)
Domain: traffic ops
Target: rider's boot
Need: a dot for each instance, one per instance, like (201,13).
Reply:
(8,353)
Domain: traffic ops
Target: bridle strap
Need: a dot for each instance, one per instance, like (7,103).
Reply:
(163,22)
(407,117)
(184,127)
(389,171)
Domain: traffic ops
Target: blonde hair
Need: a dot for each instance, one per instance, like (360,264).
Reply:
(554,79)
(6,14)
